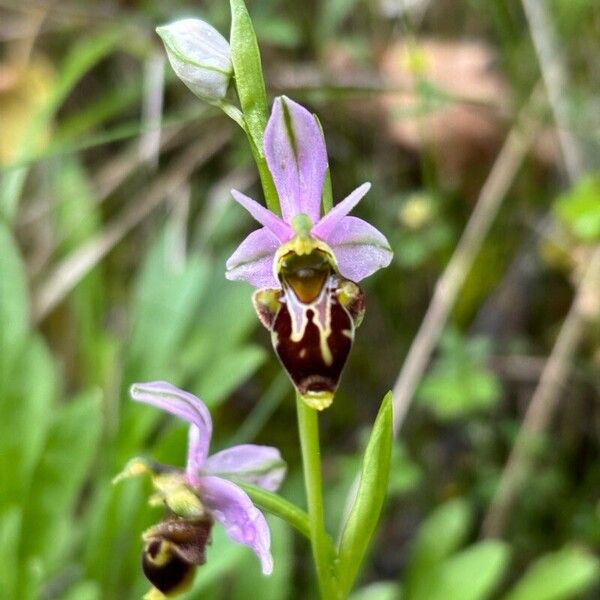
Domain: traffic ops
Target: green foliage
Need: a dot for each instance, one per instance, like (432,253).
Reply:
(438,572)
(64,466)
(382,590)
(472,574)
(10,531)
(459,384)
(579,209)
(562,575)
(439,536)
(363,517)
(14,303)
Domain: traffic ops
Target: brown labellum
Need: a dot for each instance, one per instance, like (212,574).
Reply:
(173,549)
(312,321)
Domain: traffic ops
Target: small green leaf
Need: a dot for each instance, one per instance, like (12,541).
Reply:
(381,590)
(562,575)
(579,209)
(439,536)
(364,515)
(459,383)
(472,574)
(247,68)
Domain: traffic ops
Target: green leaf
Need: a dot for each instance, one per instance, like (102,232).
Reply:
(10,529)
(224,375)
(579,209)
(167,298)
(247,68)
(364,515)
(472,574)
(48,519)
(562,575)
(86,590)
(459,383)
(439,536)
(381,590)
(14,303)
(25,406)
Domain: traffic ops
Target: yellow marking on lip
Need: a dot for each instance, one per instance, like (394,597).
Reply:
(318,400)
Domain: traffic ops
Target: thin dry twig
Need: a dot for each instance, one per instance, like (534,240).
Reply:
(544,401)
(493,192)
(554,73)
(65,276)
(152,108)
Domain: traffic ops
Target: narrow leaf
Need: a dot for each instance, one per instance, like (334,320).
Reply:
(561,575)
(247,68)
(48,524)
(472,574)
(13,303)
(439,536)
(364,515)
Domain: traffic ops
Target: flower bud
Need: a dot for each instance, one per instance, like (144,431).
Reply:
(199,55)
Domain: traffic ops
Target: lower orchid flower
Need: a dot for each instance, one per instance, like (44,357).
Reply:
(306,266)
(200,494)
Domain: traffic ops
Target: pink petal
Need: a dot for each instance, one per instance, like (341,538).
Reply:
(271,221)
(243,522)
(329,222)
(184,405)
(258,465)
(297,158)
(253,260)
(359,248)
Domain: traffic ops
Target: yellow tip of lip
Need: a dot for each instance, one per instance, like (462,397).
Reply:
(318,400)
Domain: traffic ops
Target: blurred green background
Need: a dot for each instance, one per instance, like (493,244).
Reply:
(116,220)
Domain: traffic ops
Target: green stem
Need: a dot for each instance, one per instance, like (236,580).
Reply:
(278,506)
(266,179)
(308,427)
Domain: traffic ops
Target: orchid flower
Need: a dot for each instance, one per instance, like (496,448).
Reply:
(306,266)
(203,492)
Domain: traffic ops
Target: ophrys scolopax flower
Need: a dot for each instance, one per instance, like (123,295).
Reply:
(201,493)
(306,265)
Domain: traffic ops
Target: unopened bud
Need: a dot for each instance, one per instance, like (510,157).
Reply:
(200,56)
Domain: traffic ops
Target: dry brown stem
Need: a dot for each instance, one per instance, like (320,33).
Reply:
(68,273)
